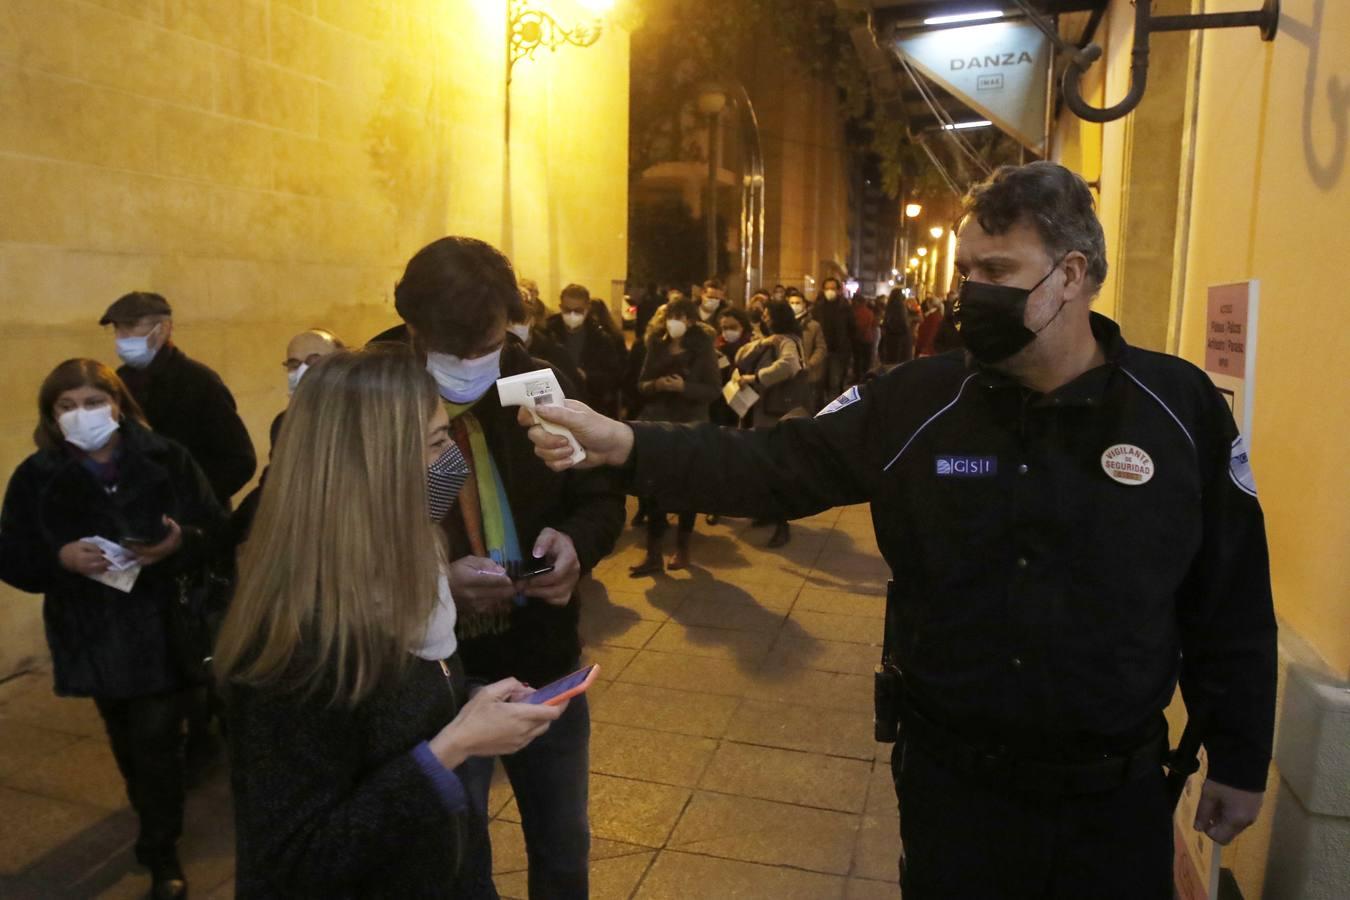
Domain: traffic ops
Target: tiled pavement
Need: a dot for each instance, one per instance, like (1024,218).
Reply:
(731,754)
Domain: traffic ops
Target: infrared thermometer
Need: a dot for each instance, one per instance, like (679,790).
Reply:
(533,389)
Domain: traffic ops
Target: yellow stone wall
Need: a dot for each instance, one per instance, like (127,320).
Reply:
(269,165)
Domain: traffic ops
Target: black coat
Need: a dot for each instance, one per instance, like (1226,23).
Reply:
(186,401)
(837,320)
(105,643)
(697,365)
(588,506)
(601,363)
(330,802)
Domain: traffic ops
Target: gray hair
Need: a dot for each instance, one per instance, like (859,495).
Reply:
(1054,200)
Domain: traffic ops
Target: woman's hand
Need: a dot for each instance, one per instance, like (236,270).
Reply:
(749,379)
(148,556)
(493,724)
(675,384)
(83,558)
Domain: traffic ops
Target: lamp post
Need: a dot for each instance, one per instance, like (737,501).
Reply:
(908,212)
(711,102)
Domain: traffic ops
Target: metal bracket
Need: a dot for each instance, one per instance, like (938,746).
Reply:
(1145,23)
(530,29)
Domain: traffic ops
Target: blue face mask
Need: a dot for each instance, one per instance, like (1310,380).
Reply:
(464,380)
(136,351)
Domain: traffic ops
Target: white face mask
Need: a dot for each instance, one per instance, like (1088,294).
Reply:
(710,304)
(797,308)
(88,429)
(573,320)
(136,351)
(521,331)
(294,375)
(831,294)
(731,335)
(464,380)
(676,328)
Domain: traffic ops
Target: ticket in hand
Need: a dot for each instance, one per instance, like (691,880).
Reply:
(534,389)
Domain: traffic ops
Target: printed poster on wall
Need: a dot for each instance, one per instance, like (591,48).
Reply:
(1230,346)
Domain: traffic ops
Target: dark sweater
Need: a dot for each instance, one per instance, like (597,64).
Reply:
(341,803)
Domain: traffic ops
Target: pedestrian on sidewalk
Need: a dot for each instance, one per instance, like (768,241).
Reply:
(773,366)
(101,473)
(679,381)
(840,327)
(346,696)
(1031,640)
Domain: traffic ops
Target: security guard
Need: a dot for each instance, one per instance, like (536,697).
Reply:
(1072,526)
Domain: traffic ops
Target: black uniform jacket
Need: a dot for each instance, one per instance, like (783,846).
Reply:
(1040,602)
(542,643)
(105,643)
(186,401)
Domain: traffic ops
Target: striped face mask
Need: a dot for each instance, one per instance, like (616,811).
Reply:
(444,479)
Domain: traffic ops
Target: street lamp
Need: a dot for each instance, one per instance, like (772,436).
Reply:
(529,29)
(711,101)
(922,251)
(913,210)
(936,231)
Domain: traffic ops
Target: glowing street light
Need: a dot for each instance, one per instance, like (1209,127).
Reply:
(913,262)
(981,16)
(936,231)
(913,210)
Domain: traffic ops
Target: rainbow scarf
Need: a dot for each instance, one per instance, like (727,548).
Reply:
(486,510)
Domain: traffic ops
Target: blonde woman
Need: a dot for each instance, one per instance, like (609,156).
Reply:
(338,657)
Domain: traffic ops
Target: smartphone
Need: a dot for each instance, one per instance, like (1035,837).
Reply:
(526,569)
(564,688)
(139,543)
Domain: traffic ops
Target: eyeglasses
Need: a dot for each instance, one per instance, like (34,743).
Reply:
(292,364)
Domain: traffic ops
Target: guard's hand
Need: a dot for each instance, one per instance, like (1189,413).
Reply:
(1225,812)
(555,587)
(83,559)
(606,442)
(479,584)
(148,556)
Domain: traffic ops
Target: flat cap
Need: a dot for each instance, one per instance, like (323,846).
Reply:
(135,306)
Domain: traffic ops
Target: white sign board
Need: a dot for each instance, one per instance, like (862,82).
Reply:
(1195,859)
(1001,70)
(1230,346)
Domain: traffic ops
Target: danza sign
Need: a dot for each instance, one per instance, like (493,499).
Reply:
(1001,70)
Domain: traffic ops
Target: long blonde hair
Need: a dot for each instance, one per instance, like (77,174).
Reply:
(339,576)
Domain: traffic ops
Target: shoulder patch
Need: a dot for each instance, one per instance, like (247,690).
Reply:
(847,398)
(1240,466)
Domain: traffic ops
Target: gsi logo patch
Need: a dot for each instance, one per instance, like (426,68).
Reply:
(967,466)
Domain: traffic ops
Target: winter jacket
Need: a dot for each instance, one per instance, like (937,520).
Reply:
(814,352)
(601,364)
(838,323)
(542,643)
(776,363)
(106,643)
(336,802)
(697,365)
(187,402)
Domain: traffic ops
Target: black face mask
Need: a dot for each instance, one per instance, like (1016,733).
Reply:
(990,318)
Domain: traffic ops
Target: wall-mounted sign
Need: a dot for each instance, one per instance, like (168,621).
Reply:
(1230,346)
(1000,70)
